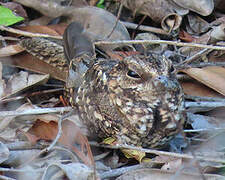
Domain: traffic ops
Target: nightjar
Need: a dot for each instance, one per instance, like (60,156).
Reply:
(137,100)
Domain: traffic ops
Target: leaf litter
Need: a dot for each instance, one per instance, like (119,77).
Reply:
(25,139)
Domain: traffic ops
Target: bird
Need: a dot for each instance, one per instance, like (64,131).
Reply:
(136,101)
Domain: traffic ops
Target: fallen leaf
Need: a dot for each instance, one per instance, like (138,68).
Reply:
(25,81)
(10,50)
(160,11)
(71,135)
(195,88)
(10,124)
(213,77)
(185,36)
(70,171)
(130,153)
(42,29)
(203,7)
(31,63)
(91,18)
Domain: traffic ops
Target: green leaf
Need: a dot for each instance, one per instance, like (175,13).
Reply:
(101,4)
(7,17)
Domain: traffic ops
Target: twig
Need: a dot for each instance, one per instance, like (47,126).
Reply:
(119,171)
(35,111)
(200,65)
(157,152)
(200,98)
(24,145)
(127,42)
(8,38)
(59,133)
(18,170)
(117,20)
(203,130)
(59,130)
(144,28)
(31,94)
(25,33)
(140,22)
(204,104)
(195,56)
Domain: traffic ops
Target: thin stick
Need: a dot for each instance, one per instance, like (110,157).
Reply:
(59,133)
(127,42)
(8,38)
(195,56)
(25,33)
(18,170)
(157,152)
(119,171)
(31,94)
(144,28)
(117,20)
(203,130)
(204,104)
(59,130)
(35,111)
(202,98)
(200,65)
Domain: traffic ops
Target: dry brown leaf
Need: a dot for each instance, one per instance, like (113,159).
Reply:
(25,81)
(203,7)
(91,18)
(31,63)
(10,50)
(31,138)
(195,88)
(54,30)
(71,135)
(213,77)
(196,25)
(160,11)
(69,171)
(185,36)
(10,124)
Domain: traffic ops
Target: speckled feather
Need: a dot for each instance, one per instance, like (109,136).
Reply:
(138,101)
(47,49)
(143,112)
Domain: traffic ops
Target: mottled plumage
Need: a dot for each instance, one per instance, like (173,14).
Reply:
(138,101)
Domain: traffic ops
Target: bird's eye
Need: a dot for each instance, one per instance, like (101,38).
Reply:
(133,74)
